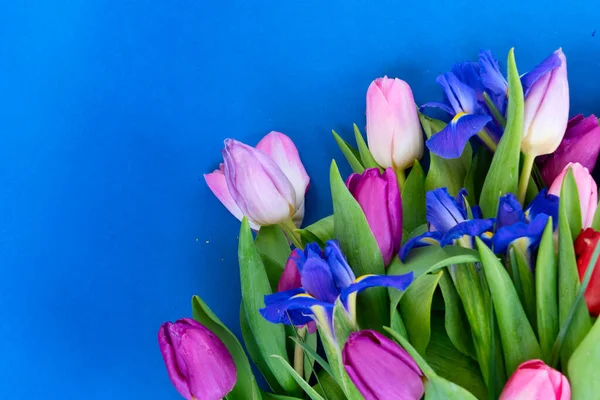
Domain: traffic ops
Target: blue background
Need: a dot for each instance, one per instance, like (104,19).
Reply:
(110,112)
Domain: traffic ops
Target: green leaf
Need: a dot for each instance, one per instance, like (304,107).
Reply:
(351,154)
(303,384)
(596,221)
(245,386)
(415,307)
(546,292)
(456,322)
(495,112)
(503,175)
(361,250)
(518,339)
(255,354)
(311,352)
(583,366)
(413,199)
(437,388)
(270,338)
(448,173)
(329,388)
(310,343)
(522,276)
(271,396)
(477,173)
(452,364)
(320,232)
(568,279)
(432,258)
(365,154)
(569,197)
(274,250)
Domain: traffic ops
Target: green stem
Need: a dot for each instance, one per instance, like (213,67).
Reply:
(401,176)
(299,353)
(487,140)
(525,175)
(289,227)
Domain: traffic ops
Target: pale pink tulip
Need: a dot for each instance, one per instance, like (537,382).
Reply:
(534,380)
(587,188)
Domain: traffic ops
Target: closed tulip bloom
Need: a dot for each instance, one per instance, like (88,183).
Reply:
(587,188)
(198,363)
(534,380)
(379,197)
(381,369)
(547,109)
(584,248)
(393,128)
(581,144)
(267,184)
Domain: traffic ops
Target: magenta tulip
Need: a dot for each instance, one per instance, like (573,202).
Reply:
(587,188)
(547,110)
(379,197)
(266,184)
(381,369)
(534,380)
(393,129)
(581,144)
(198,363)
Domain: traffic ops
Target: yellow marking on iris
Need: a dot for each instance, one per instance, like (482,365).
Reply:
(430,241)
(302,295)
(360,278)
(487,235)
(458,116)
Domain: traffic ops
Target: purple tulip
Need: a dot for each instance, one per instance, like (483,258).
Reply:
(198,363)
(581,144)
(546,107)
(379,198)
(393,128)
(380,368)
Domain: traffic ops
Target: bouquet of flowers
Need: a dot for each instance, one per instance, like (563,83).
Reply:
(468,277)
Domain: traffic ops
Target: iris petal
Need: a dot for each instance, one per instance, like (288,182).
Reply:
(400,282)
(294,310)
(468,73)
(426,239)
(544,203)
(442,210)
(461,97)
(437,104)
(527,80)
(492,78)
(318,280)
(509,211)
(508,234)
(470,228)
(340,270)
(450,141)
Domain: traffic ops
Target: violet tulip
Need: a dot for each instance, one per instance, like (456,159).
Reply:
(547,109)
(379,197)
(381,369)
(584,249)
(534,380)
(393,128)
(587,188)
(267,183)
(581,144)
(198,363)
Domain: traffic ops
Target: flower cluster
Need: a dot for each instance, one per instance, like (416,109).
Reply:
(472,276)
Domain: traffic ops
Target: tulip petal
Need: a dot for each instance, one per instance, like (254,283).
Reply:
(471,228)
(169,356)
(381,124)
(426,239)
(290,278)
(281,149)
(547,65)
(443,211)
(340,270)
(400,282)
(531,232)
(450,141)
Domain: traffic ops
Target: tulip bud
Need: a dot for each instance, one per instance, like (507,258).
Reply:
(546,110)
(584,248)
(393,128)
(198,363)
(587,188)
(536,381)
(381,369)
(258,186)
(379,198)
(581,144)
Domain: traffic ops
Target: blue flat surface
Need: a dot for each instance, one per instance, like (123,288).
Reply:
(110,111)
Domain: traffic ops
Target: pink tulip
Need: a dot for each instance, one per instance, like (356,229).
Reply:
(267,183)
(393,128)
(581,144)
(534,380)
(198,363)
(587,188)
(379,197)
(547,110)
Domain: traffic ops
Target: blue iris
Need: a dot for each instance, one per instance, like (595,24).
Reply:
(448,221)
(326,277)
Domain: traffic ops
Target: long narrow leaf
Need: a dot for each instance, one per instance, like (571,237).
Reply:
(365,154)
(350,153)
(546,271)
(303,384)
(413,199)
